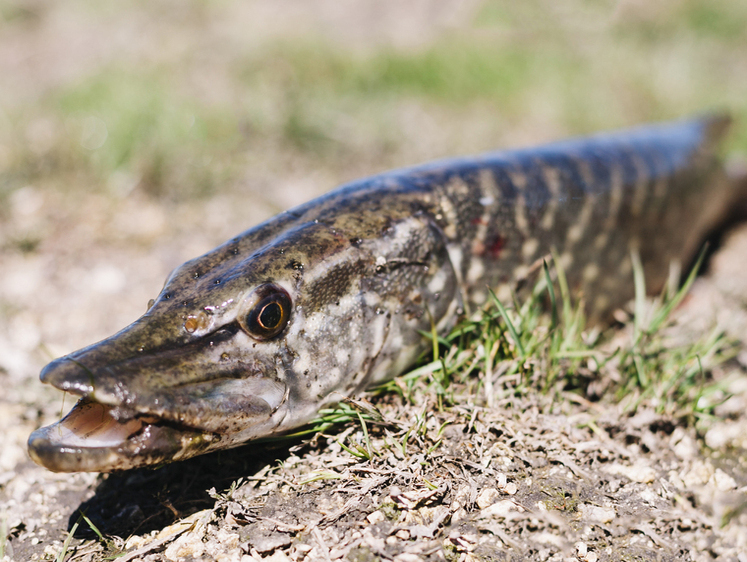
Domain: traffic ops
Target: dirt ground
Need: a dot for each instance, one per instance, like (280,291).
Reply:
(83,250)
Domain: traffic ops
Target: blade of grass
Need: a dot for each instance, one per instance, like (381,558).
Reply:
(551,291)
(565,294)
(93,527)
(639,282)
(63,553)
(366,438)
(321,475)
(670,304)
(509,325)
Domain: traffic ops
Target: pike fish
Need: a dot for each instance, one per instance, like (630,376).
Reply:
(253,338)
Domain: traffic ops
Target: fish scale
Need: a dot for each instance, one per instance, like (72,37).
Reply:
(255,337)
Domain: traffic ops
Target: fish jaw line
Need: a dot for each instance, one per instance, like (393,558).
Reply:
(90,439)
(95,437)
(101,433)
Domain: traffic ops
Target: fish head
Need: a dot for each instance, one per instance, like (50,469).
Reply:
(206,367)
(249,341)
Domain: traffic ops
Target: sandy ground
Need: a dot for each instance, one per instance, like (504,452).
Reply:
(521,480)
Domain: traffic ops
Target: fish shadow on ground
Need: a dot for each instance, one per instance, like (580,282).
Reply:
(142,500)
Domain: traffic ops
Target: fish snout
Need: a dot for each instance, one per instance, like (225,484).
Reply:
(68,374)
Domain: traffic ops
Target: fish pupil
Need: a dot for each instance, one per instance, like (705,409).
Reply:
(271,315)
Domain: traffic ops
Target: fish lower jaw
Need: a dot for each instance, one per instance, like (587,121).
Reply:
(90,439)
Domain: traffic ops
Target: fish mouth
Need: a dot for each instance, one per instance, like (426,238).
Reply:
(113,429)
(93,438)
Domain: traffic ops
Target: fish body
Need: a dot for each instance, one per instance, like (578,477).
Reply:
(253,338)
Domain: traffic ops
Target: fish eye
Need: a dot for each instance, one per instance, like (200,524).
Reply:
(269,316)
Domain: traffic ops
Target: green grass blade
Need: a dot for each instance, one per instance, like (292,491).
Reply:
(63,553)
(92,526)
(565,293)
(366,438)
(671,303)
(640,293)
(551,291)
(509,325)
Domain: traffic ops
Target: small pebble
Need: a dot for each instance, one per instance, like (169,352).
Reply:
(487,497)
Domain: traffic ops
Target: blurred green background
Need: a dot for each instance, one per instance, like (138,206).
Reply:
(183,99)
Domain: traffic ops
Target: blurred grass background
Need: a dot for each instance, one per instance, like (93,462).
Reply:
(136,135)
(186,99)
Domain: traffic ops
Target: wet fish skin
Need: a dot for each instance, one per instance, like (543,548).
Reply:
(366,267)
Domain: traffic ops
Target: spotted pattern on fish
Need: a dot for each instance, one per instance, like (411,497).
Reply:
(319,302)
